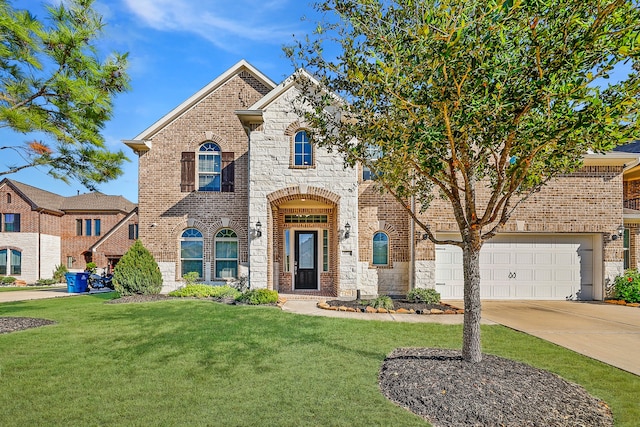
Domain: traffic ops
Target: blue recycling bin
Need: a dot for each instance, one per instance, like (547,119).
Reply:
(77,282)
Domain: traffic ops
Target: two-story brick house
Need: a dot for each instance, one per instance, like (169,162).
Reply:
(40,230)
(230,185)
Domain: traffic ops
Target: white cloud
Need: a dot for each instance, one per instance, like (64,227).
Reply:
(221,22)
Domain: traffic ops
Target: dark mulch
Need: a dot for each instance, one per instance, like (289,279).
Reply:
(397,304)
(13,324)
(439,386)
(139,298)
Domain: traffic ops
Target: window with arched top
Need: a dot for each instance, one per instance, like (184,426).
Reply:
(226,254)
(191,251)
(8,197)
(302,149)
(209,167)
(380,248)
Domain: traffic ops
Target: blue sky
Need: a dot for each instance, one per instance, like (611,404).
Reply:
(175,48)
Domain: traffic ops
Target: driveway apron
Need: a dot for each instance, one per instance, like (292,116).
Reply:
(606,332)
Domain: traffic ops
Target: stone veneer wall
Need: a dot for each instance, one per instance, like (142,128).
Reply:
(270,154)
(160,200)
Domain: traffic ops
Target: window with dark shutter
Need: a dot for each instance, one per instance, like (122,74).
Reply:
(188,171)
(228,171)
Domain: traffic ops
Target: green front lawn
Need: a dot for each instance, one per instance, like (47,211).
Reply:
(189,362)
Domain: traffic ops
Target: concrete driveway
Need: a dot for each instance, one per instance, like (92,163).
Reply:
(606,332)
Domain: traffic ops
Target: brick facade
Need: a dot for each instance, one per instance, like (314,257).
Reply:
(257,122)
(47,236)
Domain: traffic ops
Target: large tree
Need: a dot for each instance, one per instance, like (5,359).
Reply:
(480,102)
(55,85)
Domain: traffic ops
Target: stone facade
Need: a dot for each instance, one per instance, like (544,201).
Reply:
(277,204)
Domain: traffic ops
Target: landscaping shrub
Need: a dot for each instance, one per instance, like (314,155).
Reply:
(47,282)
(258,296)
(7,280)
(59,273)
(206,291)
(91,267)
(627,286)
(191,277)
(137,272)
(383,301)
(427,296)
(241,283)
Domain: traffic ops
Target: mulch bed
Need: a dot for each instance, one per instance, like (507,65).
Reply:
(13,324)
(439,386)
(418,307)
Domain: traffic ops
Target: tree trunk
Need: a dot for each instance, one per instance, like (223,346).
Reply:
(471,349)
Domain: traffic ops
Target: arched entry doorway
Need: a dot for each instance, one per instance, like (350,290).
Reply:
(304,246)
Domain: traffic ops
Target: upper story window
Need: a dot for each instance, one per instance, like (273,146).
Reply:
(380,248)
(209,166)
(372,153)
(10,223)
(133,231)
(88,227)
(302,149)
(8,197)
(215,169)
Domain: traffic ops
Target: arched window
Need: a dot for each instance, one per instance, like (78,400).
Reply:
(209,167)
(226,254)
(191,251)
(8,197)
(380,248)
(302,150)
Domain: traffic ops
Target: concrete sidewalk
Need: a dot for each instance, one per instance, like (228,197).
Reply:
(53,292)
(309,307)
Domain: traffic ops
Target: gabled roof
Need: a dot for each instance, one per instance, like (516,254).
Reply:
(36,197)
(45,200)
(137,144)
(115,228)
(97,201)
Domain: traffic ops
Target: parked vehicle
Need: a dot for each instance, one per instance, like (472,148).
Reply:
(100,281)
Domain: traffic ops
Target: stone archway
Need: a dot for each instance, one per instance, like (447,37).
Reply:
(310,214)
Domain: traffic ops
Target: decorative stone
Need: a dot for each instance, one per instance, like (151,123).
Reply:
(370,309)
(633,304)
(351,309)
(449,311)
(403,311)
(392,311)
(333,308)
(19,283)
(342,308)
(412,311)
(382,310)
(323,305)
(426,312)
(436,311)
(459,311)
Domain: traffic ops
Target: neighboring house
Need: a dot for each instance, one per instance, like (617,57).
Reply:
(230,185)
(40,230)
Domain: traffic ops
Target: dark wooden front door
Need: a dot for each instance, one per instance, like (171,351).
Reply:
(306,260)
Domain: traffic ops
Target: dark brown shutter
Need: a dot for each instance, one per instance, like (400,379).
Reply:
(188,171)
(228,171)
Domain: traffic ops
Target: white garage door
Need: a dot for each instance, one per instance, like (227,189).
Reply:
(546,267)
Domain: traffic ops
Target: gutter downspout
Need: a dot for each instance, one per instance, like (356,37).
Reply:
(412,247)
(39,244)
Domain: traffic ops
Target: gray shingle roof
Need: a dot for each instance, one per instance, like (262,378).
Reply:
(94,201)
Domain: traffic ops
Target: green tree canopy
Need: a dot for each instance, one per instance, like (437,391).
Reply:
(54,83)
(463,95)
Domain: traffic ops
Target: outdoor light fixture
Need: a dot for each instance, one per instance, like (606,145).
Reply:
(620,231)
(258,229)
(347,230)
